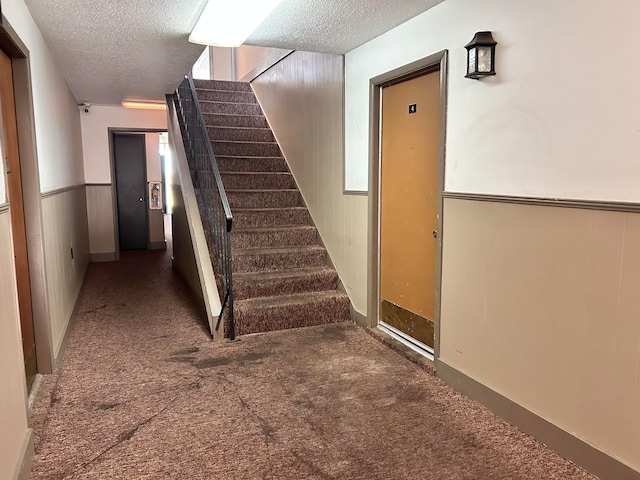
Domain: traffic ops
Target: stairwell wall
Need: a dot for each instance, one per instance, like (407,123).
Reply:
(302,98)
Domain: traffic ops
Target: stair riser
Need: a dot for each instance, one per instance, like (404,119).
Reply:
(245,289)
(271,218)
(286,238)
(284,317)
(258,181)
(222,85)
(240,134)
(239,149)
(281,199)
(226,96)
(249,164)
(230,108)
(281,261)
(251,121)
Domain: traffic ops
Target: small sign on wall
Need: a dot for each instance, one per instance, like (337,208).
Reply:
(155,195)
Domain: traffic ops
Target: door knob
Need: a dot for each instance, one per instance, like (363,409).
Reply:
(141,199)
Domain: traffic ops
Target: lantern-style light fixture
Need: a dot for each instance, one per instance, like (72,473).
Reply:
(481,56)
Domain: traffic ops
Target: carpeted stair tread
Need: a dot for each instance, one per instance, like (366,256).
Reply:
(228,163)
(258,180)
(283,198)
(262,217)
(228,96)
(222,85)
(230,108)
(278,258)
(280,312)
(248,180)
(273,237)
(226,120)
(240,134)
(283,282)
(256,149)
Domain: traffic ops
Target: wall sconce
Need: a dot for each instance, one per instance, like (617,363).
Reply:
(481,56)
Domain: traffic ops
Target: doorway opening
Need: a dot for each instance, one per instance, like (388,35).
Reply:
(138,169)
(407,181)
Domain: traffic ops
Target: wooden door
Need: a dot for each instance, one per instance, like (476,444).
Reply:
(131,185)
(408,205)
(14,190)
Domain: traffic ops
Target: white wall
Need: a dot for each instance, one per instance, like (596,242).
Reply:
(56,112)
(222,64)
(250,61)
(95,135)
(202,68)
(559,120)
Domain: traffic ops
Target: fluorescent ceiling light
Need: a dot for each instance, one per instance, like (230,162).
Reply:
(228,23)
(143,105)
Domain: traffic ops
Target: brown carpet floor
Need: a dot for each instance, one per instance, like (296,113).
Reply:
(143,393)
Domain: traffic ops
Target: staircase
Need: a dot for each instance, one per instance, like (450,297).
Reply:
(280,275)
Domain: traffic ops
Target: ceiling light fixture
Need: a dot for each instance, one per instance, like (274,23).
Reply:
(143,105)
(225,23)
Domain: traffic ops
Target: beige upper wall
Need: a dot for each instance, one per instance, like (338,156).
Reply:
(95,135)
(554,122)
(57,118)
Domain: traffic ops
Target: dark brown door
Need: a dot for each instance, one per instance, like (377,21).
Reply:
(408,205)
(131,185)
(14,188)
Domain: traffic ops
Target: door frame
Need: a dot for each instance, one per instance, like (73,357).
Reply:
(14,47)
(423,66)
(114,193)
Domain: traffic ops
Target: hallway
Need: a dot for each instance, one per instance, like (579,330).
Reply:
(144,393)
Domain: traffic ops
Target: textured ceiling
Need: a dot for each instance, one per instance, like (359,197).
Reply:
(333,26)
(110,50)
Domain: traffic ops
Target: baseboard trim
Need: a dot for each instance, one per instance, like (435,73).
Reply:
(162,245)
(587,456)
(103,257)
(23,469)
(358,318)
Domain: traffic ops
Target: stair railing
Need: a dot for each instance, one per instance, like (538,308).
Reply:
(214,199)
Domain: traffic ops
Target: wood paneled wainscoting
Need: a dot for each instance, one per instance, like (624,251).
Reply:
(64,217)
(540,310)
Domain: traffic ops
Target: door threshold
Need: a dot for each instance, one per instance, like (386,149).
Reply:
(412,343)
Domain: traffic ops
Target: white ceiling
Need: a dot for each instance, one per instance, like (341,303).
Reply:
(110,50)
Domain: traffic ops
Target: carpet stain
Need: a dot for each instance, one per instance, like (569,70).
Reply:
(107,406)
(182,359)
(313,467)
(212,362)
(97,309)
(187,351)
